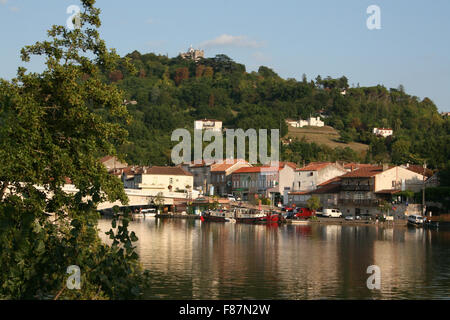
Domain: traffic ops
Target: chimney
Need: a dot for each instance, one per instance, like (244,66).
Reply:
(385,166)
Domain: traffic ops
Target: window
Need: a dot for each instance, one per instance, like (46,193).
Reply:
(393,184)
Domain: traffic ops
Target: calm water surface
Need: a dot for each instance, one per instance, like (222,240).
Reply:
(189,259)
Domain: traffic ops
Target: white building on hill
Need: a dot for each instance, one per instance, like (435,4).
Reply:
(311,122)
(204,124)
(384,132)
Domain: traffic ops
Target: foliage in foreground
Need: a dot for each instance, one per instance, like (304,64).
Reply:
(47,135)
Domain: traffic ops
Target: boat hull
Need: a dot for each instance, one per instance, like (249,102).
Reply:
(299,221)
(211,218)
(247,220)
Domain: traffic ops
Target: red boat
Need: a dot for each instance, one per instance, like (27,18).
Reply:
(273,217)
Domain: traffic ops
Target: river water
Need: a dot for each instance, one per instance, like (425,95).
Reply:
(189,259)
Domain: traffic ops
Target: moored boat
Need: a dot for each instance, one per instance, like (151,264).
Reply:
(214,216)
(271,217)
(299,221)
(149,212)
(431,224)
(247,215)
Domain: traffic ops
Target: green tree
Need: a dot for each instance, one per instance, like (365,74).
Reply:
(158,200)
(400,151)
(313,203)
(49,133)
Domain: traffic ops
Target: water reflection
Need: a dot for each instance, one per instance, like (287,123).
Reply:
(189,259)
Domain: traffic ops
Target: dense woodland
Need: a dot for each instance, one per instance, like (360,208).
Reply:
(171,93)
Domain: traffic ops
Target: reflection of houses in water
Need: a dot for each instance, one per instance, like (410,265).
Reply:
(401,254)
(314,259)
(223,260)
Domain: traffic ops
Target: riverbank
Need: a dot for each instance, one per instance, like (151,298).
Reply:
(177,216)
(340,221)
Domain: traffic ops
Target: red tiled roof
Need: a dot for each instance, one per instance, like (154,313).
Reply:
(130,170)
(420,170)
(315,166)
(298,193)
(290,164)
(336,179)
(256,169)
(176,171)
(221,167)
(329,188)
(365,172)
(353,165)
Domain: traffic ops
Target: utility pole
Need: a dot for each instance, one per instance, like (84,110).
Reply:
(423,189)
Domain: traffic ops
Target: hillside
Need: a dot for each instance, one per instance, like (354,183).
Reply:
(171,93)
(327,136)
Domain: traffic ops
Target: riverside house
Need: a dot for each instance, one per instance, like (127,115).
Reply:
(263,181)
(221,179)
(310,176)
(214,178)
(174,179)
(364,190)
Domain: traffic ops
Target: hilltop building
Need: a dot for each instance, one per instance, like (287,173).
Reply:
(383,132)
(215,125)
(311,122)
(193,54)
(111,163)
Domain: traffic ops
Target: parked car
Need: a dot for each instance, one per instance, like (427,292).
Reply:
(332,213)
(231,197)
(304,213)
(349,218)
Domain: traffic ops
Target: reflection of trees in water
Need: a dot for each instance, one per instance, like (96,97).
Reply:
(190,259)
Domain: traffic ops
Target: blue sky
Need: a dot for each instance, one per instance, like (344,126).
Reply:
(325,37)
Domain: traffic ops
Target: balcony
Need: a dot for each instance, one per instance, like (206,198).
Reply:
(353,187)
(359,202)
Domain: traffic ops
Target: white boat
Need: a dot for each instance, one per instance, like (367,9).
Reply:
(149,212)
(415,220)
(299,221)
